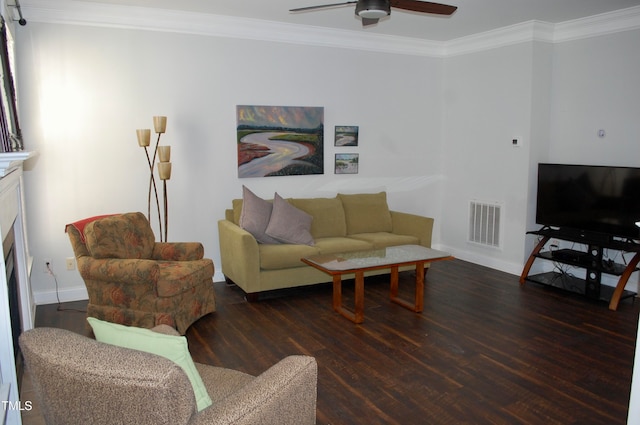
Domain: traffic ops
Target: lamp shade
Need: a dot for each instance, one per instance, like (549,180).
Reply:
(144,137)
(164,170)
(164,153)
(160,124)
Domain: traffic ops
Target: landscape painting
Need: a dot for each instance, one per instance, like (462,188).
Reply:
(347,163)
(346,135)
(280,140)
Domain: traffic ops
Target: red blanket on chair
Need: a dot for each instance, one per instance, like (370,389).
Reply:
(80,224)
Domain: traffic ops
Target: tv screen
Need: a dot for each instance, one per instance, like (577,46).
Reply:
(589,199)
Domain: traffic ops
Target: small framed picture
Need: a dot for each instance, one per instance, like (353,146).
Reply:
(346,135)
(347,163)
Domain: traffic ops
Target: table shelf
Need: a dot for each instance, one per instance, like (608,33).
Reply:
(591,260)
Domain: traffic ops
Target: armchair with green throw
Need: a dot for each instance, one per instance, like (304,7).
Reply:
(133,280)
(78,380)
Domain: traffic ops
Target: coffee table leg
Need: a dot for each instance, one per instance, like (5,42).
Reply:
(418,303)
(394,282)
(419,286)
(359,296)
(337,292)
(358,315)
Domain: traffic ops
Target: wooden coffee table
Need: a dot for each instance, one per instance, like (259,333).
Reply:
(360,262)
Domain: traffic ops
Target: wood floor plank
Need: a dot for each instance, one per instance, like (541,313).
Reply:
(484,351)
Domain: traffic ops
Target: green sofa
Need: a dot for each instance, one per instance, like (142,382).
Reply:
(346,223)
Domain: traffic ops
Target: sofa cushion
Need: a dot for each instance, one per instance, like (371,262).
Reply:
(283,256)
(289,224)
(172,347)
(236,211)
(125,236)
(336,245)
(386,239)
(255,216)
(328,215)
(366,213)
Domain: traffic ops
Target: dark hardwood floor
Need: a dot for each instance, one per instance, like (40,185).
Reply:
(484,351)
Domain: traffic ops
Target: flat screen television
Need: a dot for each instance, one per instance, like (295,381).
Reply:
(589,200)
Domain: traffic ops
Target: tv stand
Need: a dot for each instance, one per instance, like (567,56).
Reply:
(591,260)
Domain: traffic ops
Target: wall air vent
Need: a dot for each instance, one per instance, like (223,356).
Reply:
(484,223)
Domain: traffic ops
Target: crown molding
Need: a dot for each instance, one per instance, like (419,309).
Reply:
(75,12)
(603,24)
(513,34)
(78,12)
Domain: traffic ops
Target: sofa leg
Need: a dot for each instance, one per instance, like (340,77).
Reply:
(229,281)
(252,297)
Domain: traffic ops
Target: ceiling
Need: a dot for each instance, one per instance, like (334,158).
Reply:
(472,16)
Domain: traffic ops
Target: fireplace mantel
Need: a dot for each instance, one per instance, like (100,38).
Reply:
(13,222)
(11,160)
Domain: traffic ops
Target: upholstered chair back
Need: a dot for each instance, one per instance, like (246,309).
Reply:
(82,381)
(123,236)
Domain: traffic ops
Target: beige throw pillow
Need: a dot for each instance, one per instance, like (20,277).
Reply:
(366,213)
(255,216)
(289,224)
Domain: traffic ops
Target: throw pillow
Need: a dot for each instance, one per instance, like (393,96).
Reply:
(366,213)
(289,224)
(255,216)
(172,347)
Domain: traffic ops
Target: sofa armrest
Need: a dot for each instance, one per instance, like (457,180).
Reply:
(239,255)
(177,251)
(114,270)
(414,225)
(285,394)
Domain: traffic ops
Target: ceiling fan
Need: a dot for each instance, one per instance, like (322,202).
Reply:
(372,10)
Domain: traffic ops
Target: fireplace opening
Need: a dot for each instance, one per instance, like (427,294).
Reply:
(8,246)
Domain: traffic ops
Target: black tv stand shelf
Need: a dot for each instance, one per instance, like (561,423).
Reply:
(591,260)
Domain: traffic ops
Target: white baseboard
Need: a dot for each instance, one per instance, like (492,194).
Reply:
(483,260)
(80,293)
(64,295)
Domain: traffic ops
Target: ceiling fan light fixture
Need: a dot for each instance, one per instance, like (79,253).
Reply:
(373,9)
(372,14)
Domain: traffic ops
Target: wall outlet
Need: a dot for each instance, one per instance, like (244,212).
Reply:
(46,266)
(71,263)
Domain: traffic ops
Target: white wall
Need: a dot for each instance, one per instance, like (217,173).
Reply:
(554,96)
(596,85)
(488,102)
(84,90)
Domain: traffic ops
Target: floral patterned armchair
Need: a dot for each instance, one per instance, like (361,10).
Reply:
(134,280)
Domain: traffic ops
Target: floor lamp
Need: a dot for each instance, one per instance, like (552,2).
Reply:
(163,154)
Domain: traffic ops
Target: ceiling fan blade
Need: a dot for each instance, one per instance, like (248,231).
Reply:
(323,6)
(424,7)
(369,21)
